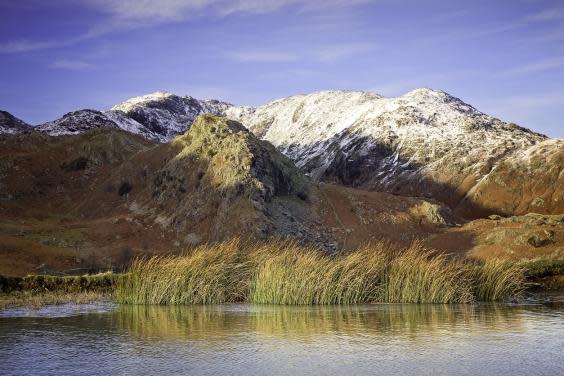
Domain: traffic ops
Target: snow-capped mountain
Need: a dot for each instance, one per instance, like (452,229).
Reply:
(12,125)
(76,122)
(419,130)
(424,143)
(161,116)
(158,116)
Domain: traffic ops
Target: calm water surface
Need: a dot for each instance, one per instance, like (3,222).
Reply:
(107,339)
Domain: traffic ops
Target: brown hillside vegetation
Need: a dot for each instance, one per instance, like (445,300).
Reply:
(528,181)
(96,200)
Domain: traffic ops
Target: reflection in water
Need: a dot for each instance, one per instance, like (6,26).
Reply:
(255,339)
(197,322)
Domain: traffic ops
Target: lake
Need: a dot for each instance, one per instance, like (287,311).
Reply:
(108,339)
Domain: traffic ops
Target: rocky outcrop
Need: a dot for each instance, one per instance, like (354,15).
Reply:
(218,181)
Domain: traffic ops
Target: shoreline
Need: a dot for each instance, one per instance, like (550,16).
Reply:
(544,290)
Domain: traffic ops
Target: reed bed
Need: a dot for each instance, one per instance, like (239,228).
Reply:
(285,272)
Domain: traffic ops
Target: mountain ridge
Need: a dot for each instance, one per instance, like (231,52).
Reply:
(424,143)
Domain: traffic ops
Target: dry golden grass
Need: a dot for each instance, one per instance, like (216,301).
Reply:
(496,279)
(206,275)
(284,272)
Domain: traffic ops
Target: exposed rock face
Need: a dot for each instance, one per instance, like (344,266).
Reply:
(77,122)
(12,125)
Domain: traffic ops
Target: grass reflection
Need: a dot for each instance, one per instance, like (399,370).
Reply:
(307,322)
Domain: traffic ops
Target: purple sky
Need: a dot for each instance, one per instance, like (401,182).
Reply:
(504,57)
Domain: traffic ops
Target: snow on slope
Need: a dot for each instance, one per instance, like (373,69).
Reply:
(425,142)
(159,116)
(12,125)
(162,115)
(76,122)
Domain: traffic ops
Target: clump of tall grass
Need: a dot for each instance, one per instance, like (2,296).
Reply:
(416,275)
(285,272)
(207,275)
(497,279)
(303,275)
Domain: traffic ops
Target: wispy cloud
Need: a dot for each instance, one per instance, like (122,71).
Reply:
(262,56)
(323,54)
(333,53)
(25,46)
(537,66)
(132,14)
(551,14)
(67,64)
(173,10)
(459,35)
(148,10)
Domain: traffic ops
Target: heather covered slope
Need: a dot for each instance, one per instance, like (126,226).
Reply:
(96,199)
(42,180)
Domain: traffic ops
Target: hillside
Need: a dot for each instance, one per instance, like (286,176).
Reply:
(9,124)
(99,198)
